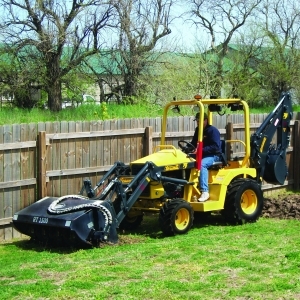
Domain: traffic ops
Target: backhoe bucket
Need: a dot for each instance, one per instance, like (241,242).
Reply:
(276,169)
(69,220)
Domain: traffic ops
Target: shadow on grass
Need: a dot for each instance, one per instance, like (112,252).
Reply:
(148,229)
(202,219)
(32,245)
(150,225)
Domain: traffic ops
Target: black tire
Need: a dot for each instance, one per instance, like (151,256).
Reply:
(131,222)
(244,202)
(176,217)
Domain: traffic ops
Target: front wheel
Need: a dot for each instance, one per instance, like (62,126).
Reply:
(244,201)
(176,217)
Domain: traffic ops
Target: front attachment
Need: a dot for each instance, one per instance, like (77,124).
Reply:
(68,220)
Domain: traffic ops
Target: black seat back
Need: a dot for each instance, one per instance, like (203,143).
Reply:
(224,152)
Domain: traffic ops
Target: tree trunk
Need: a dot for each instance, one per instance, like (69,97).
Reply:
(54,96)
(54,81)
(131,85)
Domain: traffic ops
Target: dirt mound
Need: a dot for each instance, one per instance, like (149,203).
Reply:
(284,207)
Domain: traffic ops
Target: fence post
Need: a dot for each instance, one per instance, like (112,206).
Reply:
(296,150)
(42,165)
(148,136)
(229,136)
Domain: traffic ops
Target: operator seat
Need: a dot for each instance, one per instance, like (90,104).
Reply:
(223,161)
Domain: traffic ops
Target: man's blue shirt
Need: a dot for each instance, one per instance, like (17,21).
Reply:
(211,141)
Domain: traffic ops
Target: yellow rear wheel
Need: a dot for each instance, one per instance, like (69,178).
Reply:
(249,202)
(244,201)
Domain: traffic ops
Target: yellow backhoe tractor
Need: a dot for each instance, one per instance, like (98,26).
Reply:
(166,182)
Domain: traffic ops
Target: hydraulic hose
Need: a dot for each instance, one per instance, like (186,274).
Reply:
(53,209)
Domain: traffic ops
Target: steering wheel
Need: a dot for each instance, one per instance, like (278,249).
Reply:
(187,148)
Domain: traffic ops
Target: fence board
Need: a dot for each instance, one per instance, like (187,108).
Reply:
(71,156)
(8,176)
(49,147)
(134,145)
(78,157)
(86,146)
(42,165)
(1,180)
(106,146)
(140,142)
(127,144)
(113,145)
(64,159)
(16,166)
(25,167)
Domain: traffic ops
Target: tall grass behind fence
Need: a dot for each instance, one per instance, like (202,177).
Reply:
(53,158)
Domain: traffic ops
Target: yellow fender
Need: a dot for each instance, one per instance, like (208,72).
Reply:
(218,188)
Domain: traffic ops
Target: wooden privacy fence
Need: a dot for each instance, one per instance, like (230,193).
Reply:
(65,158)
(52,159)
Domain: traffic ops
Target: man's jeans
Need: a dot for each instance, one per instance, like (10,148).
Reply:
(205,164)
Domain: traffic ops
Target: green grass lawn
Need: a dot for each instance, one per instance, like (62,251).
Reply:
(213,261)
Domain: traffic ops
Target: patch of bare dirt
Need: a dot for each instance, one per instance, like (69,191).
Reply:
(283,207)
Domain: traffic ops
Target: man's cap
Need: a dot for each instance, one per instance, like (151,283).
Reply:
(198,115)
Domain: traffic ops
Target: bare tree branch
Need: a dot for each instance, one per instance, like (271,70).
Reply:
(221,19)
(62,34)
(142,25)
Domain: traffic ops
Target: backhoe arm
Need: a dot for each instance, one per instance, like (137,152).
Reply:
(270,159)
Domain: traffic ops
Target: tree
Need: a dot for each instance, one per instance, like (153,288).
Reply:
(221,20)
(280,58)
(19,77)
(104,70)
(55,35)
(141,25)
(176,76)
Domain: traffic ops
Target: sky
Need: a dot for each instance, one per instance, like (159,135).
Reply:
(185,33)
